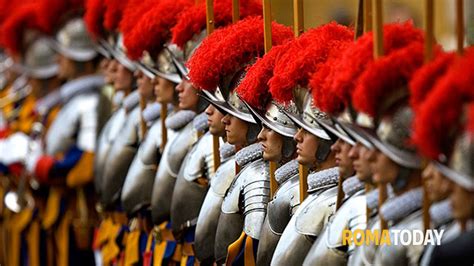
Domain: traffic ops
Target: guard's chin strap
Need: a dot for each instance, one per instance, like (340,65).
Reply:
(253,131)
(401,180)
(323,151)
(288,148)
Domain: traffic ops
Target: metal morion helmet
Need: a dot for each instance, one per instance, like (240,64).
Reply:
(228,65)
(73,41)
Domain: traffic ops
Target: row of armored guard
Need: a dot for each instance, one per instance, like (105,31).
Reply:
(319,101)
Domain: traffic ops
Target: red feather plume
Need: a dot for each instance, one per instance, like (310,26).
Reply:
(254,87)
(385,76)
(304,56)
(153,29)
(470,119)
(113,13)
(438,119)
(324,97)
(230,48)
(356,58)
(14,27)
(426,77)
(54,13)
(132,13)
(193,21)
(94,17)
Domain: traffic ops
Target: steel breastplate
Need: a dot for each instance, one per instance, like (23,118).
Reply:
(283,205)
(364,254)
(211,209)
(328,249)
(229,229)
(279,213)
(315,215)
(452,230)
(401,254)
(104,143)
(292,246)
(188,195)
(138,185)
(165,178)
(120,157)
(76,123)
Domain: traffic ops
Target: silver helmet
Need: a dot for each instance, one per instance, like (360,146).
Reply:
(39,61)
(120,54)
(309,114)
(460,168)
(73,41)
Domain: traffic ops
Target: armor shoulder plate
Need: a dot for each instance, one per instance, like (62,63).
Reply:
(220,182)
(181,143)
(281,208)
(199,161)
(256,194)
(148,150)
(316,214)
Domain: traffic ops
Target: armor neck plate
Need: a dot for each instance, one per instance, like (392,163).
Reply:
(286,171)
(441,212)
(226,151)
(323,179)
(249,154)
(179,119)
(80,86)
(401,206)
(351,185)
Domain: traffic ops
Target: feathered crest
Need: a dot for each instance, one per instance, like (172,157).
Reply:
(324,97)
(54,13)
(14,28)
(94,17)
(113,13)
(153,30)
(193,21)
(385,77)
(132,13)
(230,48)
(426,77)
(357,57)
(254,87)
(303,57)
(439,118)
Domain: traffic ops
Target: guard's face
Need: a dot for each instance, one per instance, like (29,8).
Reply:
(272,144)
(359,155)
(462,202)
(103,65)
(187,96)
(145,86)
(343,161)
(123,78)
(66,67)
(214,119)
(306,147)
(236,130)
(164,90)
(438,186)
(384,169)
(112,68)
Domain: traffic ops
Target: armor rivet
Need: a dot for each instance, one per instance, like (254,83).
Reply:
(275,119)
